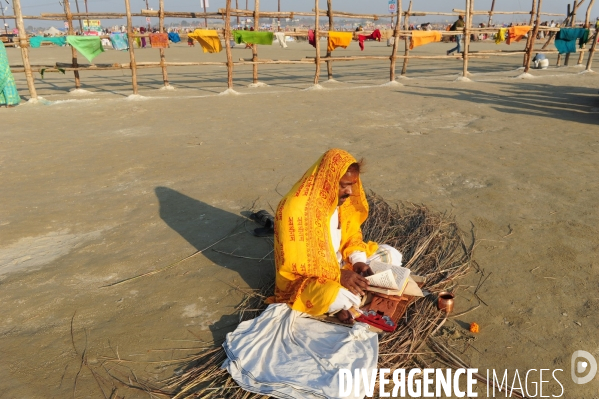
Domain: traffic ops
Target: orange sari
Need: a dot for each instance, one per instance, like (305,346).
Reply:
(308,273)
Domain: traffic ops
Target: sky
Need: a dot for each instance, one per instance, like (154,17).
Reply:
(35,7)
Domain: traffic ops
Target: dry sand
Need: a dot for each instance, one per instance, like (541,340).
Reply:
(97,188)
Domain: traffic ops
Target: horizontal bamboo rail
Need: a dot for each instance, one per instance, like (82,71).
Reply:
(507,13)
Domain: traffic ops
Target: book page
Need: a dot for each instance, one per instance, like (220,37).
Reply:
(400,274)
(383,279)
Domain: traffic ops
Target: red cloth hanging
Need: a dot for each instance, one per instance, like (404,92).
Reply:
(376,35)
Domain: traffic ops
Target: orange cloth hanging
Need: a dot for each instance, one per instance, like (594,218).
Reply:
(516,33)
(159,40)
(422,37)
(339,39)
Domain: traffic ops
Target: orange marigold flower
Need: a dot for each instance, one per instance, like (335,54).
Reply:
(474,328)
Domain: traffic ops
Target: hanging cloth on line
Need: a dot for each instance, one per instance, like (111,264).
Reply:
(119,41)
(253,37)
(516,33)
(36,41)
(208,39)
(174,37)
(500,36)
(339,39)
(565,40)
(8,90)
(422,37)
(89,46)
(281,39)
(376,35)
(159,40)
(312,38)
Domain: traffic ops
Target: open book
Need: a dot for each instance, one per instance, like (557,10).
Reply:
(392,280)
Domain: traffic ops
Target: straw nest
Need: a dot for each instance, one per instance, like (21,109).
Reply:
(432,246)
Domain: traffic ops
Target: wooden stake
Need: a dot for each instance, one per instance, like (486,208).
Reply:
(526,59)
(467,26)
(24,45)
(587,21)
(71,31)
(404,69)
(228,45)
(331,27)
(530,49)
(131,51)
(572,21)
(395,42)
(317,41)
(491,14)
(162,57)
(255,46)
(592,50)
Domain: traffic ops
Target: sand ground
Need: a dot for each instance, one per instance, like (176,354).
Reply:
(101,187)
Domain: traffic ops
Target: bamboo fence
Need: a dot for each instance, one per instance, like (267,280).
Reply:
(227,13)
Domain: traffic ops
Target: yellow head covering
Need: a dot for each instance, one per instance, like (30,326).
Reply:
(307,269)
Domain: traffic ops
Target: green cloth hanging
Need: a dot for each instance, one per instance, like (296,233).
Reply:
(253,37)
(88,46)
(36,41)
(8,90)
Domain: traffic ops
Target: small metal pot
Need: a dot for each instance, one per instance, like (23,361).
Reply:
(445,301)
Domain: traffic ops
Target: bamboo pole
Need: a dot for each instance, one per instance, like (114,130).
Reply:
(133,65)
(236,6)
(587,21)
(592,51)
(255,46)
(395,42)
(406,19)
(491,14)
(533,38)
(317,42)
(228,45)
(162,56)
(205,16)
(80,23)
(525,60)
(24,44)
(331,26)
(467,28)
(71,31)
(572,21)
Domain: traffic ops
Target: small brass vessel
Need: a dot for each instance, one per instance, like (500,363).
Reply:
(445,301)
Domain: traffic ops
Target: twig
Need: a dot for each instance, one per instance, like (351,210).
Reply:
(466,311)
(169,266)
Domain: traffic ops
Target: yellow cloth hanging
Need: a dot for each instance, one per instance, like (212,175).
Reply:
(500,36)
(422,37)
(339,39)
(208,39)
(308,274)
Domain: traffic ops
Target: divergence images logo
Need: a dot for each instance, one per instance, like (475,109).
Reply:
(580,366)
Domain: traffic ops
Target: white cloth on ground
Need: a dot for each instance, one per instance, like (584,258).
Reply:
(345,299)
(281,38)
(285,354)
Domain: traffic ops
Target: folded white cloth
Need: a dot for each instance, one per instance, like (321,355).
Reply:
(281,38)
(285,354)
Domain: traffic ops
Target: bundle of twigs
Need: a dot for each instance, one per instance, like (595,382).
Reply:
(431,245)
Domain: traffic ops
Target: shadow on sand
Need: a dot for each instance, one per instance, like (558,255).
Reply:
(202,225)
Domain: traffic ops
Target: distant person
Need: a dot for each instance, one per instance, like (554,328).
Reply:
(457,25)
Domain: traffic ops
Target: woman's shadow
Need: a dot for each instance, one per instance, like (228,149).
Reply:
(202,225)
